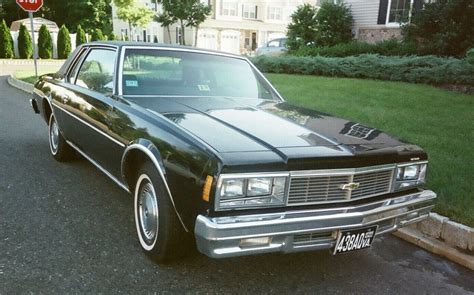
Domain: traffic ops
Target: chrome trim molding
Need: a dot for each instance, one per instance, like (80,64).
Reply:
(88,124)
(160,171)
(123,186)
(219,237)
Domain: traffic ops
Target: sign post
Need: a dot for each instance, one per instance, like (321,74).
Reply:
(32,6)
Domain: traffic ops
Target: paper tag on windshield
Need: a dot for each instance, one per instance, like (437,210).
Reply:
(204,88)
(131,83)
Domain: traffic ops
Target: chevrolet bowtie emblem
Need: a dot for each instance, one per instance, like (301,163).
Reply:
(350,186)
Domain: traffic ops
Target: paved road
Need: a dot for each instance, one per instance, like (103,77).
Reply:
(66,227)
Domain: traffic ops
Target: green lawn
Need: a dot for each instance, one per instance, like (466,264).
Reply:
(29,75)
(440,121)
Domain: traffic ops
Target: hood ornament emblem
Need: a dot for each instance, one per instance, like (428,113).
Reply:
(350,186)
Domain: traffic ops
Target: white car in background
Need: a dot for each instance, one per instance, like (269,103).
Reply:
(273,47)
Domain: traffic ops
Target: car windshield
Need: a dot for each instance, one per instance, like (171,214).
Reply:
(182,73)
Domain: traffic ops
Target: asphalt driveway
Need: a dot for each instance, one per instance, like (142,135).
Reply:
(68,228)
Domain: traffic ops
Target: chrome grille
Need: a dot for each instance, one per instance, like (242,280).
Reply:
(327,187)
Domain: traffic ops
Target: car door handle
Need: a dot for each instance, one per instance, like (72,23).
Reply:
(65,98)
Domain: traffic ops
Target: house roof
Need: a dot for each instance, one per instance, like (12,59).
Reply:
(37,23)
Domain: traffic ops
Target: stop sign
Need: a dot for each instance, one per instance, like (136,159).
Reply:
(30,5)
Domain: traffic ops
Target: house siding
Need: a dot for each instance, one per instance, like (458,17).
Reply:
(364,12)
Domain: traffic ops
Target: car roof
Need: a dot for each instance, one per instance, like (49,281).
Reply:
(158,45)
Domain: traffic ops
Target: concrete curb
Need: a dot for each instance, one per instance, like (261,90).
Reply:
(27,87)
(435,246)
(444,237)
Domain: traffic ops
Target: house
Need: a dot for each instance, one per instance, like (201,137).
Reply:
(235,26)
(377,20)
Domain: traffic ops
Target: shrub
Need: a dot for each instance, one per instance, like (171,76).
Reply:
(45,43)
(444,27)
(387,48)
(6,41)
(97,35)
(415,69)
(25,47)
(302,29)
(80,36)
(470,56)
(334,24)
(64,43)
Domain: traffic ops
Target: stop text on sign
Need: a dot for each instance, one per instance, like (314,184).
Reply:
(30,5)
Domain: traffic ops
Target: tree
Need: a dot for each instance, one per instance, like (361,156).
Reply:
(25,47)
(134,13)
(443,27)
(334,24)
(6,41)
(302,29)
(166,20)
(80,36)
(97,35)
(188,13)
(45,43)
(64,43)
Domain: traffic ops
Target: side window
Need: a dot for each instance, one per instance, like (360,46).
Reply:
(97,71)
(75,66)
(274,43)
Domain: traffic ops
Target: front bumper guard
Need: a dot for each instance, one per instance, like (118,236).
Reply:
(294,231)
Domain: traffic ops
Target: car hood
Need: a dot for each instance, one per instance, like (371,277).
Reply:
(244,125)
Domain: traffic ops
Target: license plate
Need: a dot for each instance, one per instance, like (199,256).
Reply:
(353,240)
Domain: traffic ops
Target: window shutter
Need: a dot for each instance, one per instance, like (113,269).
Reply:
(418,5)
(256,10)
(383,7)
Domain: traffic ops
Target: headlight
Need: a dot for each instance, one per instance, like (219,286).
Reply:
(239,191)
(410,175)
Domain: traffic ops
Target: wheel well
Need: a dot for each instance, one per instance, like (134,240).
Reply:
(46,110)
(133,161)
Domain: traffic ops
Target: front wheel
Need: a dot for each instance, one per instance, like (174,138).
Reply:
(58,146)
(159,231)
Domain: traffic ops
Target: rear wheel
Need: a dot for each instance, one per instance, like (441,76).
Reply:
(159,230)
(58,146)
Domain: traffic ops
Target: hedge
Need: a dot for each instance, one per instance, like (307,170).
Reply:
(414,69)
(80,36)
(388,48)
(6,41)
(45,43)
(64,43)
(25,47)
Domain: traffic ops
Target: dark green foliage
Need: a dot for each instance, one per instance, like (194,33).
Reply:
(424,69)
(334,24)
(90,14)
(25,47)
(470,56)
(155,39)
(6,42)
(112,37)
(302,29)
(80,36)
(64,43)
(444,27)
(387,48)
(97,35)
(45,43)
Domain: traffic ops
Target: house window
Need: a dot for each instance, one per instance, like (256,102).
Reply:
(399,11)
(229,8)
(274,13)
(179,35)
(249,11)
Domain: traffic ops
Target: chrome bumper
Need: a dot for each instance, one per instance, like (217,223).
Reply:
(293,231)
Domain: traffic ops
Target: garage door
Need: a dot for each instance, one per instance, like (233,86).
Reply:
(230,41)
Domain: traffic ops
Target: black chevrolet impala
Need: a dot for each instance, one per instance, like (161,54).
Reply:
(210,150)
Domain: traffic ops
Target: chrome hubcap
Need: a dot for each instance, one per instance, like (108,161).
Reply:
(54,135)
(148,212)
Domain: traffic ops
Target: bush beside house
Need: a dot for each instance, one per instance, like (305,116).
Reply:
(97,35)
(414,69)
(64,43)
(6,41)
(25,47)
(45,43)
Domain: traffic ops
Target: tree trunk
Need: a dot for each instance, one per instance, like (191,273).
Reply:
(129,31)
(169,34)
(196,36)
(183,36)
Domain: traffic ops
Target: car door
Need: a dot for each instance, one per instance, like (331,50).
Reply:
(91,108)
